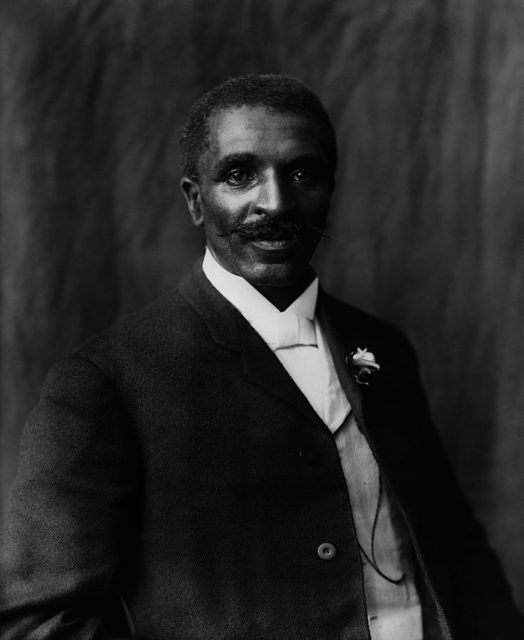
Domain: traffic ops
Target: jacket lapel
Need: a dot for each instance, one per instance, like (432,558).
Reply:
(218,315)
(341,343)
(264,369)
(382,408)
(230,329)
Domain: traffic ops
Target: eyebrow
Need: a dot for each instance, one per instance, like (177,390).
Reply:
(250,158)
(232,159)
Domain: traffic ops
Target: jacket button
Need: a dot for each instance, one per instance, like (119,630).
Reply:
(326,551)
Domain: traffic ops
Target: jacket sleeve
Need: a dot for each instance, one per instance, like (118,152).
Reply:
(67,521)
(479,591)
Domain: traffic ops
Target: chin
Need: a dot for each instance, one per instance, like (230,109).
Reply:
(274,275)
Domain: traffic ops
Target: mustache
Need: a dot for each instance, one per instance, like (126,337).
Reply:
(274,229)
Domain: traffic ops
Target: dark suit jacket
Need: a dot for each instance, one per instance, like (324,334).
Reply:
(173,462)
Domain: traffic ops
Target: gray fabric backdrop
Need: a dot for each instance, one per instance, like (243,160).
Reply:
(427,226)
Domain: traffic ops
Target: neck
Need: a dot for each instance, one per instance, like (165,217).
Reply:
(281,297)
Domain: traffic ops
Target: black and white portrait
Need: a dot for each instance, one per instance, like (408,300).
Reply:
(262,320)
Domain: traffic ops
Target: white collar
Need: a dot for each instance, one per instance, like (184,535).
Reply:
(252,304)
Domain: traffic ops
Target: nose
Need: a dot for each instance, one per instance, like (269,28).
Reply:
(275,196)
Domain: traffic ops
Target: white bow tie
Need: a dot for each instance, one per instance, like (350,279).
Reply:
(287,330)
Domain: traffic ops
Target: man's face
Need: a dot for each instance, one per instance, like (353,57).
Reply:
(263,192)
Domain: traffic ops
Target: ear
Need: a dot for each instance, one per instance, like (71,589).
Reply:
(191,190)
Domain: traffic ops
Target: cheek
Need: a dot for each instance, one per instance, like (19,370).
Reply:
(316,208)
(224,209)
(234,202)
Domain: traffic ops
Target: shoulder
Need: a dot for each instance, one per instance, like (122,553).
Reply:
(165,325)
(363,325)
(345,312)
(354,328)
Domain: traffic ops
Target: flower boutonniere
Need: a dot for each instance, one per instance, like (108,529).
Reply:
(363,365)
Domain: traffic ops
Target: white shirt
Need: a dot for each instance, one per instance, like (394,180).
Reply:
(394,611)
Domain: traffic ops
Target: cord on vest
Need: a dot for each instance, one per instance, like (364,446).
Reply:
(373,561)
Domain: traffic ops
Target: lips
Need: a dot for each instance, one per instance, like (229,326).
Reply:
(273,245)
(273,237)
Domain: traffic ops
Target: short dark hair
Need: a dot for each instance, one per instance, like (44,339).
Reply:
(274,91)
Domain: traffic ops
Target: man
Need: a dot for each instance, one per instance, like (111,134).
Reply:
(246,458)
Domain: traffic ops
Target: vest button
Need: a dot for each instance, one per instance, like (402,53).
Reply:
(326,551)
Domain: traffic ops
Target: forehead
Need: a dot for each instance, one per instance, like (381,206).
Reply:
(265,133)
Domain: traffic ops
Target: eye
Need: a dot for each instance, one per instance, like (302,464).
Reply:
(238,177)
(305,177)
